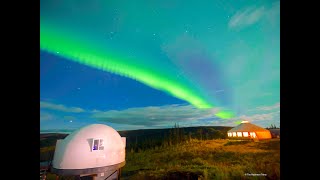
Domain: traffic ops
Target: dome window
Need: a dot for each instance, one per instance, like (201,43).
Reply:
(97,144)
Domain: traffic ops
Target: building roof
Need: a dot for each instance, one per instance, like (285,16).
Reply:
(245,126)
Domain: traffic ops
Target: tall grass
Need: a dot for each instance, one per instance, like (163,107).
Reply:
(210,159)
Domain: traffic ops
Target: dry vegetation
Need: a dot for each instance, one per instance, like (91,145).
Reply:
(182,154)
(210,159)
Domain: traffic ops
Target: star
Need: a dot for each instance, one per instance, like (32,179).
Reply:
(71,121)
(111,35)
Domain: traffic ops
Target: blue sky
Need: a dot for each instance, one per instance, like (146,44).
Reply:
(226,53)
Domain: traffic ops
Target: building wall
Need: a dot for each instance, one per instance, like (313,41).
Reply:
(264,135)
(259,135)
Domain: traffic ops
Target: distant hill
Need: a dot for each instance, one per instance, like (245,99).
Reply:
(152,132)
(150,137)
(50,135)
(50,139)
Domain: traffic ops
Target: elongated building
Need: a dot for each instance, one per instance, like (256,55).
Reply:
(246,130)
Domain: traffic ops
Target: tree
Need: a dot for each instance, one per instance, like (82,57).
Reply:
(136,144)
(182,138)
(200,133)
(170,137)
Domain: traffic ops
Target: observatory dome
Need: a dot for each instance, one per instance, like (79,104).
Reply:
(90,147)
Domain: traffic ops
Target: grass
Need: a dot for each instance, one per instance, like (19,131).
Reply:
(207,159)
(210,159)
(236,142)
(53,177)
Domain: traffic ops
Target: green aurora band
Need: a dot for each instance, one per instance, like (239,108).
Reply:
(79,50)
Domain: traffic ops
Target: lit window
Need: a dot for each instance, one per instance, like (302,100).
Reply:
(234,134)
(245,134)
(101,147)
(239,134)
(229,134)
(253,135)
(97,144)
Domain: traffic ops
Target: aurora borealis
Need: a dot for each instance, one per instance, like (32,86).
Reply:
(81,52)
(212,58)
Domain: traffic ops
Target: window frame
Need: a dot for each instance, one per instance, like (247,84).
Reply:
(253,135)
(100,145)
(247,134)
(239,133)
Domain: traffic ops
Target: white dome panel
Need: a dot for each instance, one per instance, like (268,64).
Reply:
(93,146)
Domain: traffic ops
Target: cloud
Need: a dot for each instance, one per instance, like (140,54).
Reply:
(262,119)
(261,109)
(273,13)
(44,116)
(60,107)
(161,116)
(257,117)
(263,115)
(268,108)
(95,111)
(252,15)
(246,17)
(156,115)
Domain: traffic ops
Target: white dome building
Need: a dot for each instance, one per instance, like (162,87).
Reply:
(96,150)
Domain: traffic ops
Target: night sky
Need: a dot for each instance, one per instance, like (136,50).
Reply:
(150,64)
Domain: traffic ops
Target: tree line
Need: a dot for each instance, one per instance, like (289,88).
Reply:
(273,126)
(174,136)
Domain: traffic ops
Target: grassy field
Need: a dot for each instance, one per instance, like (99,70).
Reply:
(189,153)
(208,159)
